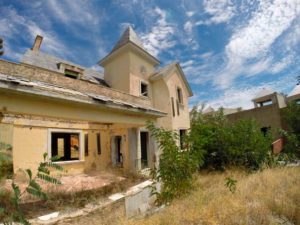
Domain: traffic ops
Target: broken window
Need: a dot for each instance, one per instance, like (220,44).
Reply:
(181,135)
(144,89)
(71,74)
(65,145)
(265,130)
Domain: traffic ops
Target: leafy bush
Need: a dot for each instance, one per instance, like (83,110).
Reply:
(226,144)
(291,118)
(176,167)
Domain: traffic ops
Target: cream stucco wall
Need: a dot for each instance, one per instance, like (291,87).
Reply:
(181,121)
(116,72)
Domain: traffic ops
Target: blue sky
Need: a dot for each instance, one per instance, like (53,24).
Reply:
(228,50)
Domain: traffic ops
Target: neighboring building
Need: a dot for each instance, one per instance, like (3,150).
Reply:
(295,94)
(267,110)
(92,120)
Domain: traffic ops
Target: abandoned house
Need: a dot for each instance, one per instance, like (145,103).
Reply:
(92,120)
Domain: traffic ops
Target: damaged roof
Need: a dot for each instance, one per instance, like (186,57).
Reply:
(49,62)
(58,92)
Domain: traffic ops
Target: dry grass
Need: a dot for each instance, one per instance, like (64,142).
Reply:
(268,197)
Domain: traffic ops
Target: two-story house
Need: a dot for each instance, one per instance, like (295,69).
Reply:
(91,120)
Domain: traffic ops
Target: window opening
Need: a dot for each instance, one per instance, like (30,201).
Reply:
(65,145)
(144,89)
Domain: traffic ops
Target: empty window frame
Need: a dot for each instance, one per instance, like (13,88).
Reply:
(179,95)
(144,89)
(182,132)
(65,144)
(71,74)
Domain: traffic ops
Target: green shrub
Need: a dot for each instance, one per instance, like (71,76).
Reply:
(291,118)
(176,167)
(225,144)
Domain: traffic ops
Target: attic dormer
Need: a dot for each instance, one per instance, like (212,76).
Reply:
(128,66)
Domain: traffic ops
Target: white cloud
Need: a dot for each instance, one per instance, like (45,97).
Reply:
(190,13)
(254,40)
(20,24)
(187,63)
(221,11)
(188,26)
(281,65)
(75,11)
(241,96)
(160,37)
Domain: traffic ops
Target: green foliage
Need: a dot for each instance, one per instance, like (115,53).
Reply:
(231,184)
(226,144)
(291,117)
(176,166)
(6,166)
(33,188)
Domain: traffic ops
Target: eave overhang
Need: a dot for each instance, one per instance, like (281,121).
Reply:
(23,86)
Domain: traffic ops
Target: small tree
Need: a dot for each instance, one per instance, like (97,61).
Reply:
(176,166)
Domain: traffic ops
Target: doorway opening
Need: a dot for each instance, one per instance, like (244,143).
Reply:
(144,149)
(116,151)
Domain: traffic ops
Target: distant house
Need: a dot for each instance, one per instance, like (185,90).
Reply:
(267,111)
(92,120)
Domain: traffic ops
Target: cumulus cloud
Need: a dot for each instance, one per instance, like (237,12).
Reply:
(241,96)
(160,36)
(220,11)
(254,40)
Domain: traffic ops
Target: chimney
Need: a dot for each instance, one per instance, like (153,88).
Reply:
(37,43)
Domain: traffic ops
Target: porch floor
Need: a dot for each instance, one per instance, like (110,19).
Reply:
(74,183)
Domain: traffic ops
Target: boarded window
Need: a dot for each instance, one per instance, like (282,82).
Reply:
(98,144)
(173,108)
(86,144)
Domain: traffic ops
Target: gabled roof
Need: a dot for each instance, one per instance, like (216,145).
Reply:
(49,62)
(128,36)
(295,91)
(129,39)
(165,70)
(264,92)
